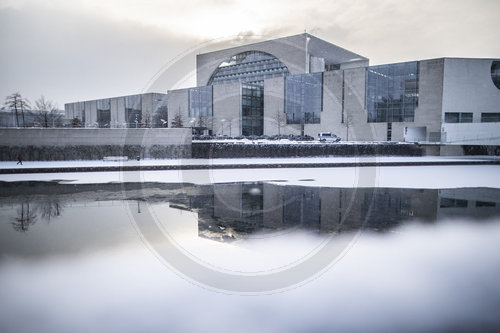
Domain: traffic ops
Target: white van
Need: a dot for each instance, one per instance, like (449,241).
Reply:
(328,136)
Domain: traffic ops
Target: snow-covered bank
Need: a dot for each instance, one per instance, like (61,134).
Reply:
(454,176)
(239,161)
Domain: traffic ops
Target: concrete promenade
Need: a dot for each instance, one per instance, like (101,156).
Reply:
(258,163)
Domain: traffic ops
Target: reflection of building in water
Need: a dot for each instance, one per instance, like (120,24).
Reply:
(236,210)
(231,211)
(469,203)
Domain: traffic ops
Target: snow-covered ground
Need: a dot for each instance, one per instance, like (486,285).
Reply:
(229,161)
(431,176)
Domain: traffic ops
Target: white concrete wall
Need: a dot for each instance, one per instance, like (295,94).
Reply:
(94,136)
(274,106)
(227,109)
(468,87)
(331,116)
(430,99)
(415,134)
(472,134)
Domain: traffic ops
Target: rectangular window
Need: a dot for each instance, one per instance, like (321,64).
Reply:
(103,118)
(133,111)
(304,98)
(160,110)
(392,92)
(200,102)
(252,109)
(103,113)
(452,203)
(485,204)
(458,117)
(80,111)
(489,117)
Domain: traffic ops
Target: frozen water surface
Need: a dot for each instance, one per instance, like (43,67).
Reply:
(421,256)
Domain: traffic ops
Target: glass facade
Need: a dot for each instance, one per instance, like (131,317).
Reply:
(160,110)
(103,113)
(200,102)
(159,102)
(249,67)
(133,110)
(79,111)
(495,73)
(458,117)
(304,98)
(392,92)
(252,110)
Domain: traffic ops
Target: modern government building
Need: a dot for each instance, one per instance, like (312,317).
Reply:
(304,85)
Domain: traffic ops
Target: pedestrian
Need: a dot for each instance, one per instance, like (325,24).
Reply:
(19,159)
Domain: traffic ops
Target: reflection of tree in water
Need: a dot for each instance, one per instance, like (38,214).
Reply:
(26,217)
(28,213)
(50,208)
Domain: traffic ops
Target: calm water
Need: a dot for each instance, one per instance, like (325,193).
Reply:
(81,257)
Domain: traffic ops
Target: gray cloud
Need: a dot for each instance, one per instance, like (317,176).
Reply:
(80,50)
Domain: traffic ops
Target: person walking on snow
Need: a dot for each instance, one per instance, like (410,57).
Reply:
(19,159)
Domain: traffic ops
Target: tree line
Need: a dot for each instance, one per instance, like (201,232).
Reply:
(42,111)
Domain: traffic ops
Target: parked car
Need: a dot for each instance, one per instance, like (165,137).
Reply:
(328,136)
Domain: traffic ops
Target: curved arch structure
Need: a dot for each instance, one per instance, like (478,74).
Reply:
(249,67)
(495,73)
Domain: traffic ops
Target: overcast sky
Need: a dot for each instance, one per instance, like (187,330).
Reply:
(71,50)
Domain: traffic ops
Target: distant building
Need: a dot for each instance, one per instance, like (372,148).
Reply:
(303,85)
(133,111)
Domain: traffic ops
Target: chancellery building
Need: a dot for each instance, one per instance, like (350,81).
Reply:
(303,85)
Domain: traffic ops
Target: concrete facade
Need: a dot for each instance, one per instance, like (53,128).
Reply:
(467,87)
(227,109)
(443,86)
(86,112)
(295,52)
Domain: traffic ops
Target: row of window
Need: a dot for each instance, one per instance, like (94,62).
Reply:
(251,66)
(132,105)
(466,117)
(460,203)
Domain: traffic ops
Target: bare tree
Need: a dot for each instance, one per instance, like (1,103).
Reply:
(348,123)
(17,103)
(25,218)
(50,208)
(178,120)
(279,119)
(47,113)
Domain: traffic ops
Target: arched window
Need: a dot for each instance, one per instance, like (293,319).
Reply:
(249,67)
(495,73)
